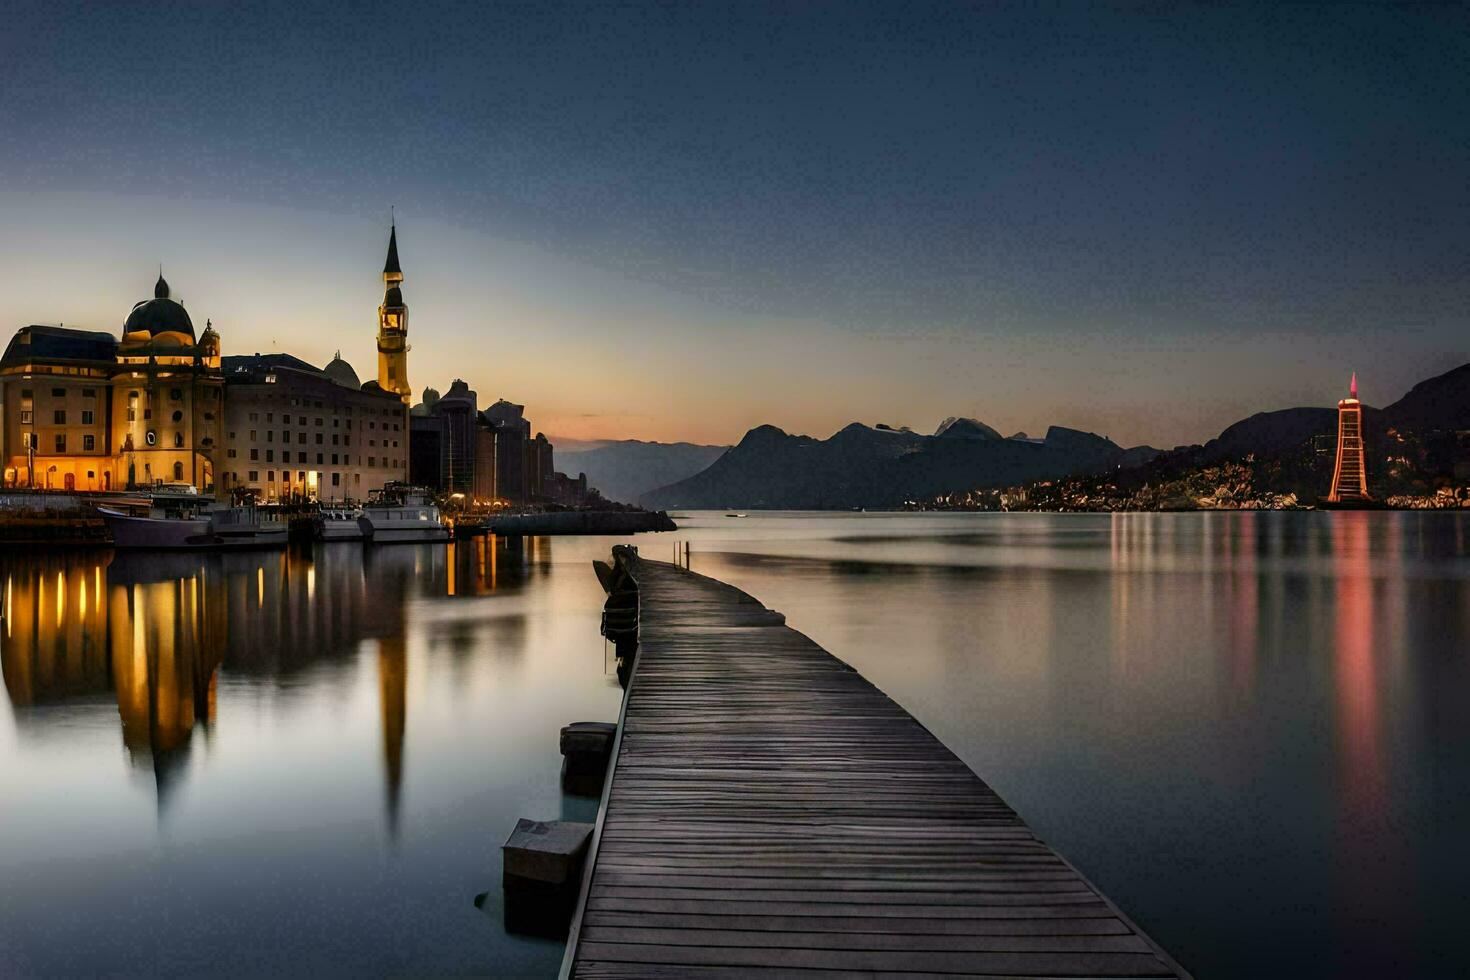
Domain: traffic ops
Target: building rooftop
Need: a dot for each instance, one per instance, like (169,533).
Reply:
(45,343)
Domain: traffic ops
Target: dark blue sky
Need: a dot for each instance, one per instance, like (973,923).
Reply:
(1007,211)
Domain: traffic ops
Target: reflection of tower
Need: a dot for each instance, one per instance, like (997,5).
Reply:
(393,705)
(1349,476)
(393,327)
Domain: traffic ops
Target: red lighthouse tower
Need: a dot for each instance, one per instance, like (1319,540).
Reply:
(1350,475)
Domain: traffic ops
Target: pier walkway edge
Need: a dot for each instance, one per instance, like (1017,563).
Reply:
(769,811)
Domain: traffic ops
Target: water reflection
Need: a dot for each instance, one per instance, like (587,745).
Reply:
(155,631)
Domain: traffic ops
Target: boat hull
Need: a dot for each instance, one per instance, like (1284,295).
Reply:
(131,532)
(408,535)
(343,530)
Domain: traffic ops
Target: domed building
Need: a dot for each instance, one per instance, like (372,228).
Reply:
(85,410)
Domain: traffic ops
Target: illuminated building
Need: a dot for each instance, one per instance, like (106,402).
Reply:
(1349,475)
(295,431)
(85,410)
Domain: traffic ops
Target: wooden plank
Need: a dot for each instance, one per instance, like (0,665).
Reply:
(769,812)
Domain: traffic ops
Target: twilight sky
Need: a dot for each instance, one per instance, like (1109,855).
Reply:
(679,221)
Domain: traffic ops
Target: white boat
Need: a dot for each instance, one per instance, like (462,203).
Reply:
(401,515)
(341,524)
(184,521)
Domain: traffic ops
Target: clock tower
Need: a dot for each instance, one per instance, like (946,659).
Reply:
(393,327)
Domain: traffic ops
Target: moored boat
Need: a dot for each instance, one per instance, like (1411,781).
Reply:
(403,515)
(178,521)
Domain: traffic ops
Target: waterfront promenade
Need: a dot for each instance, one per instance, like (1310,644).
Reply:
(770,811)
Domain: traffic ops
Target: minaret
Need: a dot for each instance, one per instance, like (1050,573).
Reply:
(1350,474)
(393,327)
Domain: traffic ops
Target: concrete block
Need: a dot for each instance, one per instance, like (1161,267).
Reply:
(588,738)
(551,851)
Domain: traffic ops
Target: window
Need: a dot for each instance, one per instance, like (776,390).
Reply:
(254,417)
(26,416)
(372,461)
(178,416)
(270,435)
(319,421)
(254,453)
(334,459)
(301,438)
(285,436)
(300,476)
(252,435)
(31,440)
(334,438)
(176,394)
(270,417)
(301,457)
(232,436)
(178,471)
(270,455)
(270,476)
(336,423)
(147,413)
(27,393)
(60,416)
(253,476)
(318,459)
(318,438)
(336,479)
(230,453)
(89,392)
(209,416)
(89,443)
(178,440)
(61,443)
(346,440)
(58,392)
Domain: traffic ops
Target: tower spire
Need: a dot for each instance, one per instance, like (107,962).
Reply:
(392,272)
(1353,387)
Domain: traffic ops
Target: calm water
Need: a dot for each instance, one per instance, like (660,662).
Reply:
(1251,730)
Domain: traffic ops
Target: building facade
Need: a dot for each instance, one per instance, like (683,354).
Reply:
(85,410)
(293,431)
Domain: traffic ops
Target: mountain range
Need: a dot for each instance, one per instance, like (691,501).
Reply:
(881,466)
(625,470)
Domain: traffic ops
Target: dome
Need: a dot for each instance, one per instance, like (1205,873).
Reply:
(159,315)
(340,372)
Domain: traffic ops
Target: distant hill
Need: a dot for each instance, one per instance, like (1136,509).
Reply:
(627,469)
(861,466)
(962,428)
(1420,432)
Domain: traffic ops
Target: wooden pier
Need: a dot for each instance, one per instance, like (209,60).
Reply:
(768,811)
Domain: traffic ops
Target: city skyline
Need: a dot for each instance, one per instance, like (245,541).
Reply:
(1148,224)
